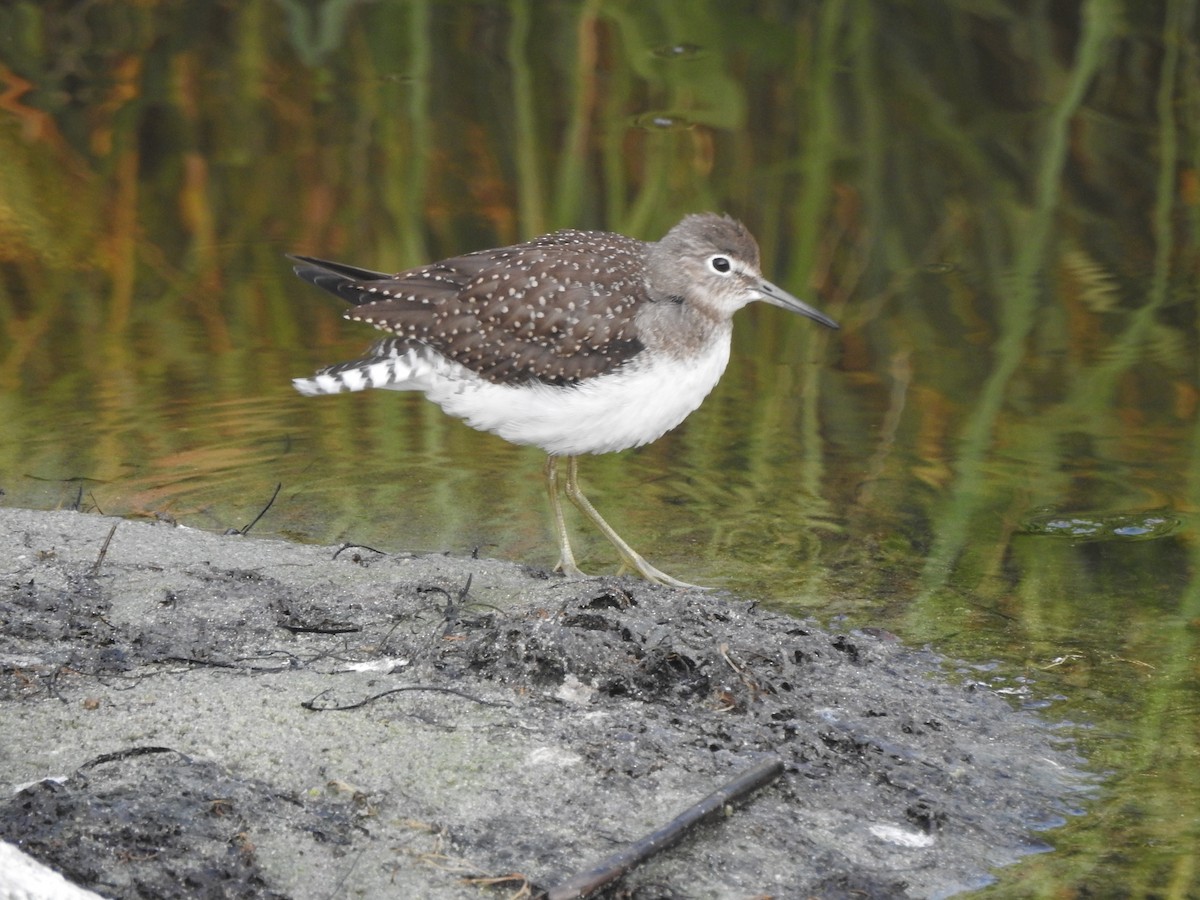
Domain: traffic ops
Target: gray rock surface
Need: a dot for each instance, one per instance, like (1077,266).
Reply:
(204,715)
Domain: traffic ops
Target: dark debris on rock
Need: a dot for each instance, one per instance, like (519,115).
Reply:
(487,721)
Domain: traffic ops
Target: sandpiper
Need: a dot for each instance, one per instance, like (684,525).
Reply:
(575,342)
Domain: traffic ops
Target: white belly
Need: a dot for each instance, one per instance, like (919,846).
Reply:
(634,405)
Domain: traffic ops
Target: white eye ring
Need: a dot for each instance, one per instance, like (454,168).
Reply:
(720,264)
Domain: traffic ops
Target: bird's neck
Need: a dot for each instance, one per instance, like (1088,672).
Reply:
(681,329)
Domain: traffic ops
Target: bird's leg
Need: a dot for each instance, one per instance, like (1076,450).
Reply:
(566,559)
(629,556)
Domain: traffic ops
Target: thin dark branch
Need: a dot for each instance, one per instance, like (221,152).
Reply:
(95,570)
(313,703)
(245,531)
(127,753)
(617,865)
(356,547)
(321,629)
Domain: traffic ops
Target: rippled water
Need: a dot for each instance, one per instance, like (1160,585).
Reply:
(997,454)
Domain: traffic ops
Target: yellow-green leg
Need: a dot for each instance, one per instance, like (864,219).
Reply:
(566,563)
(566,559)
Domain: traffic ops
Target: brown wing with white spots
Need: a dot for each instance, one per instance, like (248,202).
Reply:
(557,309)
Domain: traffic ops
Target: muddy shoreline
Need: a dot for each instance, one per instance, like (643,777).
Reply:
(252,718)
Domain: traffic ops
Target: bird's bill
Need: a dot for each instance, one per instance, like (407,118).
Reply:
(777,296)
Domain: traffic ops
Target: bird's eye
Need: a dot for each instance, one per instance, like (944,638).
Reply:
(720,264)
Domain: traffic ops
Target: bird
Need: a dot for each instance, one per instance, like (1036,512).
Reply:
(577,342)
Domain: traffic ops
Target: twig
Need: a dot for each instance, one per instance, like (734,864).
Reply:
(95,570)
(313,703)
(321,629)
(617,865)
(356,547)
(245,531)
(127,753)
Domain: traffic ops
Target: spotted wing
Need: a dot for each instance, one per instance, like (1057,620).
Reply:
(557,309)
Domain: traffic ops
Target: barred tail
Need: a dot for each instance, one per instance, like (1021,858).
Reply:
(389,364)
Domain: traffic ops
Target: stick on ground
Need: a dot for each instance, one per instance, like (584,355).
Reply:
(635,854)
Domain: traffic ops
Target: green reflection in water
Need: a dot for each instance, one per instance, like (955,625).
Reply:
(1002,208)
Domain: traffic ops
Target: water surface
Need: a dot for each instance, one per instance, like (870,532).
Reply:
(998,454)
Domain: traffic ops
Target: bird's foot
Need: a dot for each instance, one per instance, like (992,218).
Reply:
(569,569)
(638,564)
